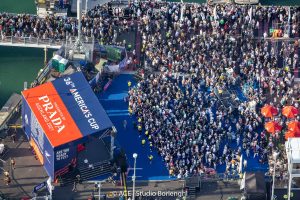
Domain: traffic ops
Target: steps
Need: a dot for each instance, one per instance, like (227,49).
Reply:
(192,184)
(192,193)
(99,169)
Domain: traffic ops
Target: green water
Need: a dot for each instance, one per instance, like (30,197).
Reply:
(18,65)
(281,2)
(22,64)
(18,6)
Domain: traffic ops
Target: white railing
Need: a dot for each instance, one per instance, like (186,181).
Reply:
(39,42)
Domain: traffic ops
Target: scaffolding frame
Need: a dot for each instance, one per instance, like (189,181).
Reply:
(292,147)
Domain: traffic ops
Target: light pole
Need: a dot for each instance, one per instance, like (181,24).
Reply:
(86,7)
(133,177)
(275,156)
(99,191)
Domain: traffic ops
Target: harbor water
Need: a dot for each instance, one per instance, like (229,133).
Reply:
(18,65)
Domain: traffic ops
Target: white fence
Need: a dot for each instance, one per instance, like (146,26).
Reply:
(39,42)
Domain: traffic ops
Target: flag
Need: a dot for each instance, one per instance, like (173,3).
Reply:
(289,19)
(250,13)
(241,164)
(182,11)
(215,13)
(97,77)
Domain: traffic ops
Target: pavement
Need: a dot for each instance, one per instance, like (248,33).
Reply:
(169,190)
(28,172)
(111,191)
(219,190)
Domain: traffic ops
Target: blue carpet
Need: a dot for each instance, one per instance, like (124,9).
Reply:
(128,139)
(253,164)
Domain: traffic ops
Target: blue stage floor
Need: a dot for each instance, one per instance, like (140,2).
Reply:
(129,140)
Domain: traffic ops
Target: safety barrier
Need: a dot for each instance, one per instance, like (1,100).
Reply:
(64,170)
(40,42)
(223,177)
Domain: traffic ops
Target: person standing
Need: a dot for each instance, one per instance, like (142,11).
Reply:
(248,152)
(74,186)
(14,135)
(143,142)
(125,124)
(6,173)
(78,178)
(245,164)
(7,178)
(140,129)
(13,163)
(150,159)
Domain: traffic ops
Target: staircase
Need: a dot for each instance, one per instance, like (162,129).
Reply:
(192,184)
(192,193)
(102,168)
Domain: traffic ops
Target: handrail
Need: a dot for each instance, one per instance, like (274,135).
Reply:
(219,176)
(40,41)
(65,169)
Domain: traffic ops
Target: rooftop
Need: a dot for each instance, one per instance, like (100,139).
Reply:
(67,109)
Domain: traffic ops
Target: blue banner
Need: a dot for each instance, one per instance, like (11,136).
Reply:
(82,104)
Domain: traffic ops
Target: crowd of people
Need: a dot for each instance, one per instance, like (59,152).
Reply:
(198,54)
(198,57)
(102,27)
(106,21)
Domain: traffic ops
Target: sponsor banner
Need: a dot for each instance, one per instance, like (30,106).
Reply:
(48,158)
(37,138)
(26,118)
(36,150)
(37,132)
(63,155)
(52,115)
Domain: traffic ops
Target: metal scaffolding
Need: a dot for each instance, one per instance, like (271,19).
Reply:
(292,147)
